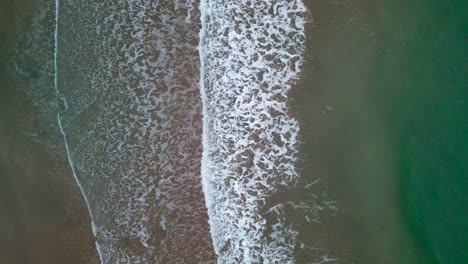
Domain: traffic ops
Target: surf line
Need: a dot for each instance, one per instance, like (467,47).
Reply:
(250,140)
(62,131)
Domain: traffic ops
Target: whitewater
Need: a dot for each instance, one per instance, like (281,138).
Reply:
(178,128)
(251,55)
(59,123)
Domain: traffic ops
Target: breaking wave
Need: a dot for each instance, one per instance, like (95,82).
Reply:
(251,54)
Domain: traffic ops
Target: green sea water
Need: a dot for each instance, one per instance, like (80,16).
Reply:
(383,106)
(422,96)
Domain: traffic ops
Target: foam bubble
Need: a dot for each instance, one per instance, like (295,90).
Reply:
(251,54)
(134,130)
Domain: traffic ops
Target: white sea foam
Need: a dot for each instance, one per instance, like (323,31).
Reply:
(134,127)
(251,54)
(80,186)
(59,122)
(57,9)
(155,135)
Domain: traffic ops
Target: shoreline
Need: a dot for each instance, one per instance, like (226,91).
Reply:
(45,218)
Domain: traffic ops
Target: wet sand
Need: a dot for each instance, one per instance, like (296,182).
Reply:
(42,214)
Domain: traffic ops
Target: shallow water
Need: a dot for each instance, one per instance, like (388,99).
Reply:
(129,73)
(42,215)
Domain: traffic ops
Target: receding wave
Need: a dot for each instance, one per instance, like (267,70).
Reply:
(129,71)
(251,53)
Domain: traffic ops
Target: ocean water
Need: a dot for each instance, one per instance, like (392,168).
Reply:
(239,131)
(132,120)
(382,106)
(42,215)
(429,124)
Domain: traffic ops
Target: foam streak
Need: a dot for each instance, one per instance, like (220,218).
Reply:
(62,131)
